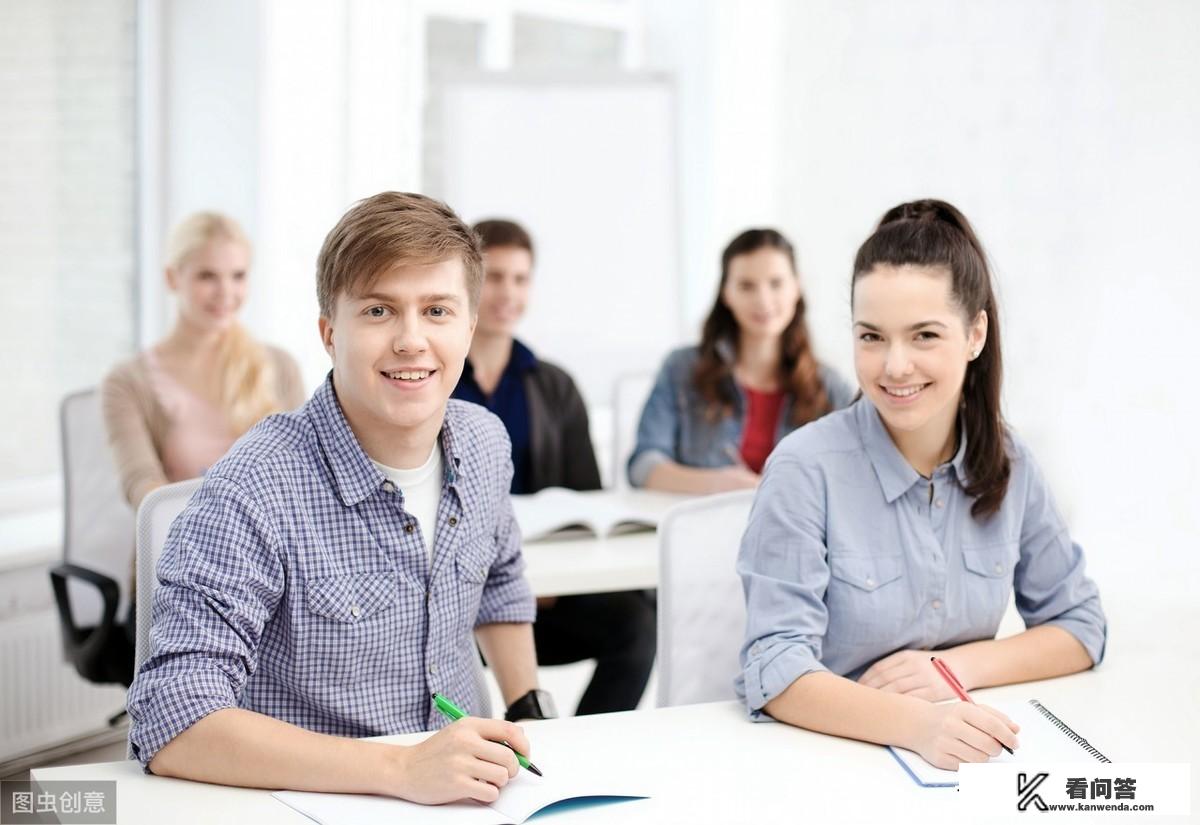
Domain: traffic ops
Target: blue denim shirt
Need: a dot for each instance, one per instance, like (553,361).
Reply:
(674,426)
(295,583)
(848,557)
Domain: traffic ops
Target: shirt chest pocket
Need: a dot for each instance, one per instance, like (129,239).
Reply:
(474,560)
(866,573)
(353,623)
(987,583)
(866,598)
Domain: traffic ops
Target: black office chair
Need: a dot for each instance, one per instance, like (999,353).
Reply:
(97,548)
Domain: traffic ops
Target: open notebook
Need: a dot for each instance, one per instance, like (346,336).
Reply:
(603,512)
(1043,738)
(523,796)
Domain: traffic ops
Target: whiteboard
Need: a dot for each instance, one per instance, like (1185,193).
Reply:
(589,168)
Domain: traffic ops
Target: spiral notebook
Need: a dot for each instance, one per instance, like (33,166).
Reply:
(1044,737)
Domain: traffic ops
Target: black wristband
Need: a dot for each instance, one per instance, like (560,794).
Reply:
(536,704)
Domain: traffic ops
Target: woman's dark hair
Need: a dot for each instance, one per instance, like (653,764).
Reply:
(933,233)
(501,232)
(798,370)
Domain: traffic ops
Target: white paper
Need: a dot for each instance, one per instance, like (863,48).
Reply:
(523,796)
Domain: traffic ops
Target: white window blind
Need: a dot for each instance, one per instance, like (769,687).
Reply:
(67,204)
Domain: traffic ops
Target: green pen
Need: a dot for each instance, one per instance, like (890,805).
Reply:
(453,713)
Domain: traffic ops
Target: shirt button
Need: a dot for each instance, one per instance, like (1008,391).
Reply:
(453,520)
(355,611)
(391,488)
(999,568)
(433,669)
(939,503)
(870,582)
(408,528)
(937,604)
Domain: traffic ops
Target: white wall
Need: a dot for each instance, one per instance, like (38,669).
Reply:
(1064,129)
(1067,132)
(282,113)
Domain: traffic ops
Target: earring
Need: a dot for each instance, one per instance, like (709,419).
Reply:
(974,355)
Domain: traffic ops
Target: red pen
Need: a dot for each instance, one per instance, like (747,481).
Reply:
(946,673)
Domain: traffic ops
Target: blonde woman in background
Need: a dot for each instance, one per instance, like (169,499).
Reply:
(174,409)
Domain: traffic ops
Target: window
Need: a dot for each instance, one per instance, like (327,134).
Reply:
(67,213)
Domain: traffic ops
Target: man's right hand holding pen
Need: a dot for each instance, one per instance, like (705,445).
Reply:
(464,760)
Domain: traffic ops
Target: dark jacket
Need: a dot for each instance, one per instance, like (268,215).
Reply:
(560,445)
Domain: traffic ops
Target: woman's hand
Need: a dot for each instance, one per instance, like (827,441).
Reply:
(909,672)
(733,477)
(951,734)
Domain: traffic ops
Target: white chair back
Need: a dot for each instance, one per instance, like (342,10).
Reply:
(701,610)
(97,521)
(154,518)
(629,397)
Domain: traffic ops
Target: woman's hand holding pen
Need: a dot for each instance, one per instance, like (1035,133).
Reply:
(909,672)
(948,735)
(464,760)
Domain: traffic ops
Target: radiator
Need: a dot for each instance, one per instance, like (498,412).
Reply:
(43,702)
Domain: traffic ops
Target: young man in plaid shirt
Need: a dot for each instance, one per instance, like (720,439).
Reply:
(339,563)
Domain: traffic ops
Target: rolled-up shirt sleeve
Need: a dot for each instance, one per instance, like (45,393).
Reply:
(658,428)
(783,564)
(507,596)
(1050,580)
(220,578)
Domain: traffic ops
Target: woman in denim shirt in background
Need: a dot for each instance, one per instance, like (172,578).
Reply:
(903,524)
(718,409)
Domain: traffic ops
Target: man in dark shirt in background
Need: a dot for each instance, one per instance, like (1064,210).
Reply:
(547,422)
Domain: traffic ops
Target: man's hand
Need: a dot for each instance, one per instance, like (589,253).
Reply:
(464,760)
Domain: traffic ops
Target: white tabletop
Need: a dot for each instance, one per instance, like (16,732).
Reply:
(567,564)
(708,764)
(586,564)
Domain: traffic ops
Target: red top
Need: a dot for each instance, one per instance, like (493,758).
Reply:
(762,420)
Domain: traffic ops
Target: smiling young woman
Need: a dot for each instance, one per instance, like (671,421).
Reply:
(174,409)
(719,408)
(904,523)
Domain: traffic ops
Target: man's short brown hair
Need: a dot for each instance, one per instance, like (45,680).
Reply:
(388,229)
(502,232)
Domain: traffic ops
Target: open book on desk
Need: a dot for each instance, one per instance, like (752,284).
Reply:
(602,512)
(1043,737)
(523,796)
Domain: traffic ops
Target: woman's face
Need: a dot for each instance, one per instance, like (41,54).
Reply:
(912,345)
(210,284)
(761,291)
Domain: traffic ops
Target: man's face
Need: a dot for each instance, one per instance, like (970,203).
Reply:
(398,349)
(507,274)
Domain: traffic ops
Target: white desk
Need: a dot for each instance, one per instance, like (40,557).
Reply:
(583,563)
(570,566)
(708,764)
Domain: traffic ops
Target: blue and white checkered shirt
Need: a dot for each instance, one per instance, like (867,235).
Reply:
(296,585)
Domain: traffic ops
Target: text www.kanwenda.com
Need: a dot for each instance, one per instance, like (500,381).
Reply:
(1093,806)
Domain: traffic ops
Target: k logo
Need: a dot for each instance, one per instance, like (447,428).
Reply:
(1026,788)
